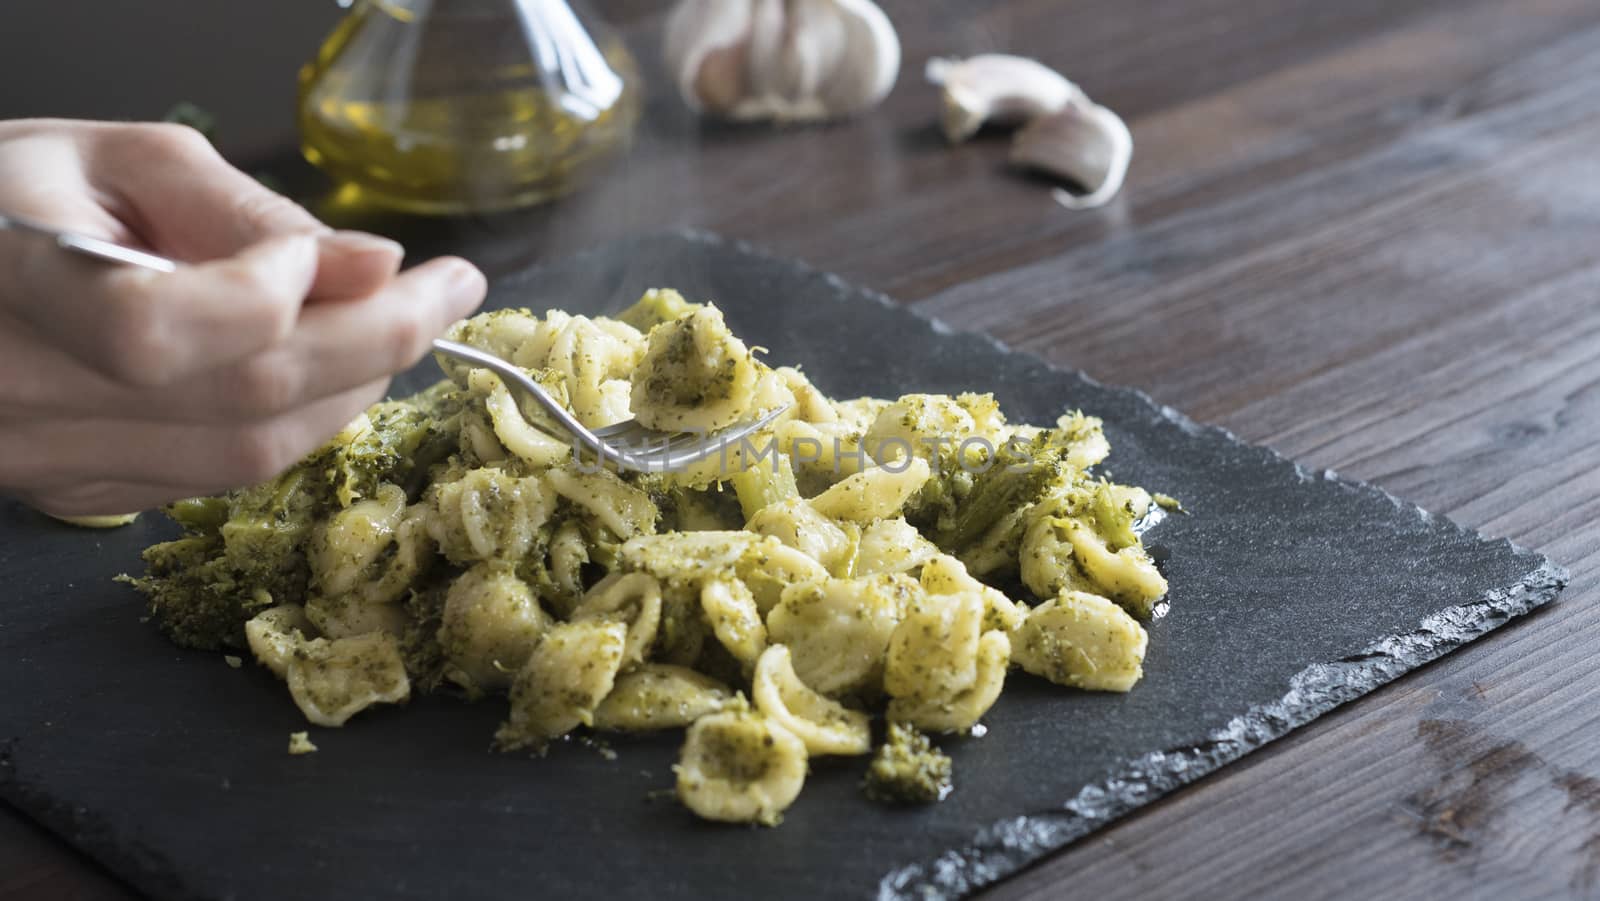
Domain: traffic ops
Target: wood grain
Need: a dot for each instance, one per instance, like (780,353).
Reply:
(1362,232)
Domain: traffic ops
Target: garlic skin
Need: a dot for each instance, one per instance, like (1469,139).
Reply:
(996,88)
(705,48)
(1083,142)
(783,60)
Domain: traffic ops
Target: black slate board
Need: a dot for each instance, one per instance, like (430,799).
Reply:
(1292,592)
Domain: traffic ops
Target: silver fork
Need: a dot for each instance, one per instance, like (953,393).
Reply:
(626,445)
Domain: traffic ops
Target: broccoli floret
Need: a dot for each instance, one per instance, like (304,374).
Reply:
(1117,511)
(190,593)
(245,551)
(1021,474)
(907,768)
(237,555)
(420,649)
(199,514)
(397,443)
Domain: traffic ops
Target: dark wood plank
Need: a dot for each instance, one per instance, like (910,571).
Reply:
(1361,232)
(36,865)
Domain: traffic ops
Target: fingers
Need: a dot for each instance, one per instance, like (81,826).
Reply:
(122,388)
(334,347)
(198,316)
(102,498)
(354,264)
(149,328)
(337,346)
(42,177)
(178,192)
(192,459)
(164,188)
(184,200)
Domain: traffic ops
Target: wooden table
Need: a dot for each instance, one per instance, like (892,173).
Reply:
(1364,232)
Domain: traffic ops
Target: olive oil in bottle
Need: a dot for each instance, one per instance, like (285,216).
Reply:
(456,106)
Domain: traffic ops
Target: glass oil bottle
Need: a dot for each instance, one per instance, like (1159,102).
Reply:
(466,106)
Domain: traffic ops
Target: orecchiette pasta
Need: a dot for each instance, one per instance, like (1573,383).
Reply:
(659,696)
(568,674)
(730,609)
(618,506)
(567,555)
(332,681)
(797,524)
(348,617)
(1064,553)
(531,445)
(595,363)
(943,574)
(273,635)
(848,560)
(770,567)
(920,425)
(1083,641)
(633,599)
(490,624)
(345,548)
(811,405)
(695,375)
(740,767)
(823,724)
(827,451)
(837,630)
(933,652)
(873,494)
(488,514)
(962,710)
(892,546)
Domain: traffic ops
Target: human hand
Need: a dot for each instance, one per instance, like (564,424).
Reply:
(122,388)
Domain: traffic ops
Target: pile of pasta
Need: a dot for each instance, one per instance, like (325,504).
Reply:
(854,558)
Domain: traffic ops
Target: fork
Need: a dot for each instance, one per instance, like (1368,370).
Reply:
(626,445)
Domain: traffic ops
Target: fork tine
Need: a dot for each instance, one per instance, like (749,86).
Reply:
(627,444)
(516,377)
(675,456)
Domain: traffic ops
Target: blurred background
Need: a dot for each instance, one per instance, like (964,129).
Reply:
(797,190)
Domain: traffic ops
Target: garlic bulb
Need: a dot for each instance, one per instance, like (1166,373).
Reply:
(788,60)
(1084,142)
(996,88)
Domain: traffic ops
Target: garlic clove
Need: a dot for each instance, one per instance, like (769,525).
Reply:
(1084,143)
(705,46)
(871,59)
(996,88)
(795,47)
(768,70)
(792,60)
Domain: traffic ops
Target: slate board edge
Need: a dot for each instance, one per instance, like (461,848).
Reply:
(148,871)
(1006,847)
